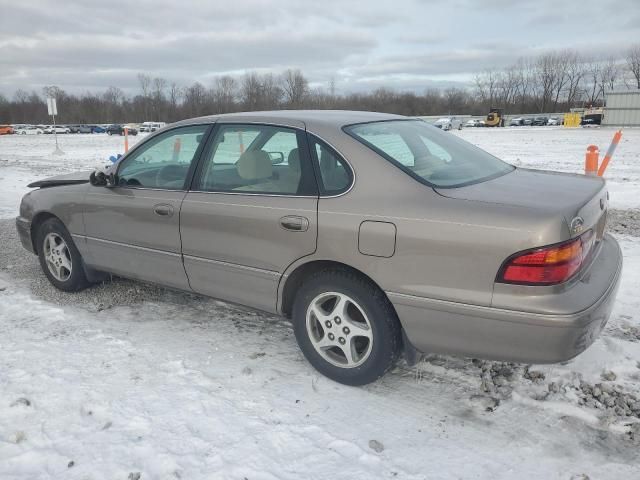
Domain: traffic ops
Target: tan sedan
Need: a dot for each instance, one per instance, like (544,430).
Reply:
(374,233)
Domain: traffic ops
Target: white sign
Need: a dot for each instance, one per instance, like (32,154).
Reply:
(51,106)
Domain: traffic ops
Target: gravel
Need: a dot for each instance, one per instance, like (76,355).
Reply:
(609,397)
(499,379)
(24,268)
(625,222)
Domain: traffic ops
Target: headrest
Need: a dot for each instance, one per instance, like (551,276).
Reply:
(254,165)
(294,160)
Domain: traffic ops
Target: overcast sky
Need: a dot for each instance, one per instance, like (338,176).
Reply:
(404,44)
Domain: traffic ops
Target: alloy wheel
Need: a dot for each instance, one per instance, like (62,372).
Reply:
(57,256)
(339,330)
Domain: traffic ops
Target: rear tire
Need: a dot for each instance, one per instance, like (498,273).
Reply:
(59,257)
(346,327)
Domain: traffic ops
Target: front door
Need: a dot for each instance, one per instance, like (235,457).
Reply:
(251,213)
(133,229)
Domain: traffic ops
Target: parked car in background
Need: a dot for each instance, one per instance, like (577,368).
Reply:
(6,130)
(449,123)
(474,122)
(97,128)
(540,121)
(57,129)
(117,129)
(458,252)
(527,122)
(554,121)
(516,122)
(30,130)
(589,122)
(151,126)
(85,129)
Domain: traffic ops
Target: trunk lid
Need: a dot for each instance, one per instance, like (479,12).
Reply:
(582,200)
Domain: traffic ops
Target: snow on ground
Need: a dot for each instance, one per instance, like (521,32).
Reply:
(127,378)
(563,149)
(27,158)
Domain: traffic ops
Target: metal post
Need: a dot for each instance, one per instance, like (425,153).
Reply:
(55,133)
(52,110)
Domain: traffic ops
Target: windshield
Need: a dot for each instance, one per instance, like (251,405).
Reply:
(426,153)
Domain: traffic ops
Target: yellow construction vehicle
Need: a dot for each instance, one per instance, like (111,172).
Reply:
(495,118)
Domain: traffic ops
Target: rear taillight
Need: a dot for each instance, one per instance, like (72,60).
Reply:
(547,265)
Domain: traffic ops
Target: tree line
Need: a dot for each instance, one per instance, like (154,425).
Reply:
(553,81)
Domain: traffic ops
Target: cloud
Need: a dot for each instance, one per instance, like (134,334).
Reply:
(89,44)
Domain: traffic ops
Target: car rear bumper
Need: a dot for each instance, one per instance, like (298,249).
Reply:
(509,335)
(23,226)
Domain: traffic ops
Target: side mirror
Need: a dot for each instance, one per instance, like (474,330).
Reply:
(101,178)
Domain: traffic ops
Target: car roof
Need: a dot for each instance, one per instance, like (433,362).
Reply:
(311,118)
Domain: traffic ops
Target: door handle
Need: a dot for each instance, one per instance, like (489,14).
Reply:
(163,210)
(294,223)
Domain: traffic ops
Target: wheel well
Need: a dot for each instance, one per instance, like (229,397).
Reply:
(38,220)
(295,279)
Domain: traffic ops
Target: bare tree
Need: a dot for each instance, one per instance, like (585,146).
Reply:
(295,87)
(575,73)
(593,68)
(486,86)
(53,91)
(260,92)
(224,93)
(271,91)
(250,91)
(507,86)
(175,93)
(547,74)
(112,99)
(608,75)
(158,99)
(633,62)
(145,86)
(456,99)
(524,73)
(195,99)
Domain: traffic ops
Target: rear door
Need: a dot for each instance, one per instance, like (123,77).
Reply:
(252,211)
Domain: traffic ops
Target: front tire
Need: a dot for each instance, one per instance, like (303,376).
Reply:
(59,257)
(346,327)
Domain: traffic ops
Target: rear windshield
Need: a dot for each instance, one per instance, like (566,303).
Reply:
(428,154)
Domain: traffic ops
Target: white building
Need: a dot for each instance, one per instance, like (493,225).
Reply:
(622,109)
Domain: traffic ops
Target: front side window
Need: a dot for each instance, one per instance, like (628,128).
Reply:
(257,159)
(431,156)
(164,161)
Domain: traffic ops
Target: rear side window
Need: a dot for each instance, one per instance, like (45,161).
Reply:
(335,175)
(257,159)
